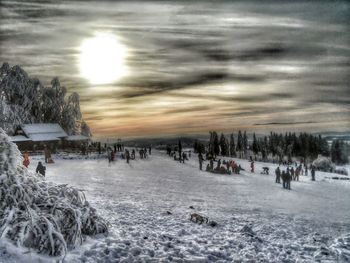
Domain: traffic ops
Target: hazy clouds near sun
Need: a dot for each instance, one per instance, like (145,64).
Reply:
(193,66)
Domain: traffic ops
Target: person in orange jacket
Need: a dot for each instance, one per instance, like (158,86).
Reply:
(26,161)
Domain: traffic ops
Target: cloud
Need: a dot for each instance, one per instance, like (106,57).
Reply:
(237,63)
(284,123)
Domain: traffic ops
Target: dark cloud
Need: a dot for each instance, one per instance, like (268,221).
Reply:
(284,123)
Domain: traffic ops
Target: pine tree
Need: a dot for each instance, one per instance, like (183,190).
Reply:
(239,147)
(255,146)
(224,145)
(216,146)
(245,144)
(232,146)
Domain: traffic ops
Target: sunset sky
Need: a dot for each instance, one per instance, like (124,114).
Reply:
(168,67)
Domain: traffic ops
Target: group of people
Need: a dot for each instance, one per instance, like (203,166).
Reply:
(112,154)
(291,174)
(228,168)
(143,152)
(41,169)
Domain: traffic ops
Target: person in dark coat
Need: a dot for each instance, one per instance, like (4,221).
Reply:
(200,160)
(289,179)
(150,150)
(219,164)
(284,179)
(313,173)
(211,162)
(278,175)
(292,173)
(40,169)
(127,156)
(184,156)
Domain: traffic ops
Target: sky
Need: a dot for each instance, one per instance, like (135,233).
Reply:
(148,68)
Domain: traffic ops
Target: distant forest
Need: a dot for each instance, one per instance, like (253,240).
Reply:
(275,147)
(25,100)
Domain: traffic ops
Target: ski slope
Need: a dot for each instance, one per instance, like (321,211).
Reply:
(257,219)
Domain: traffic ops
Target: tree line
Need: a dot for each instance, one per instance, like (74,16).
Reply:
(276,145)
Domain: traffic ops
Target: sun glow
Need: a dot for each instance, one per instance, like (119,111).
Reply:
(102,59)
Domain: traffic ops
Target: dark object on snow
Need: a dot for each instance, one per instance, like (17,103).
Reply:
(145,237)
(213,223)
(40,169)
(248,231)
(169,213)
(199,219)
(265,170)
(191,207)
(337,178)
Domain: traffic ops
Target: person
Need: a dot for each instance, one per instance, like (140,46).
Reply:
(141,154)
(211,164)
(218,165)
(313,173)
(208,168)
(189,154)
(133,154)
(297,172)
(288,180)
(168,150)
(306,171)
(26,161)
(127,156)
(292,173)
(301,172)
(252,166)
(200,160)
(150,150)
(109,155)
(239,168)
(40,169)
(112,156)
(228,167)
(184,156)
(284,179)
(278,175)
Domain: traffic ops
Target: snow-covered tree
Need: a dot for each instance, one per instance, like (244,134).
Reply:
(224,147)
(232,146)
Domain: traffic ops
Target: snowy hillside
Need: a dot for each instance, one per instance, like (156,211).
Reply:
(257,219)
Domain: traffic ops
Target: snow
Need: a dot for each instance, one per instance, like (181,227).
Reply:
(257,219)
(19,138)
(44,131)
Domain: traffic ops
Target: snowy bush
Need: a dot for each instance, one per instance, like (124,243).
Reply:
(323,164)
(38,215)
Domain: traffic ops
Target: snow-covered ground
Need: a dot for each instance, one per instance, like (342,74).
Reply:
(257,219)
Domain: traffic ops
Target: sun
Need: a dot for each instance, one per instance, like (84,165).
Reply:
(102,59)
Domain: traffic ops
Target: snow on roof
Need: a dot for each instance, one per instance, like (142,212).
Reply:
(44,131)
(19,138)
(77,138)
